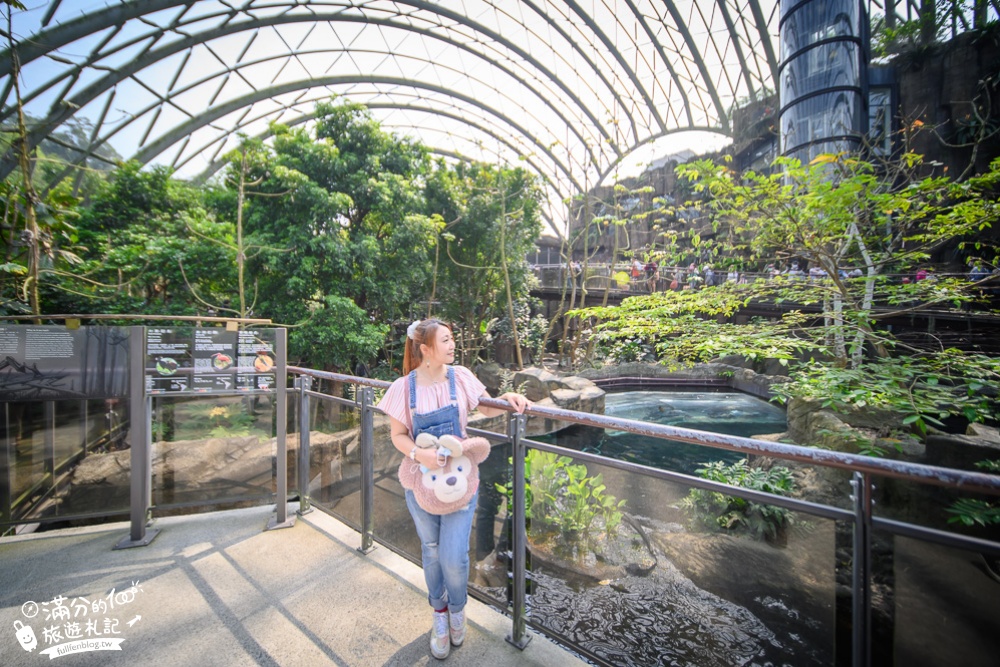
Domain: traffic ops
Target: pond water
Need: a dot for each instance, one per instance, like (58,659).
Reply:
(727,617)
(727,412)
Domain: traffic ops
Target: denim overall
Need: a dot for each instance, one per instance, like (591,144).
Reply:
(443,421)
(444,539)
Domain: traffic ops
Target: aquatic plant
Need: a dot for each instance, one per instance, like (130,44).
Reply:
(563,501)
(717,511)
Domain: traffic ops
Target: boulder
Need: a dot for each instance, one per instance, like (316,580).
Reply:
(737,360)
(496,424)
(810,425)
(631,369)
(101,480)
(774,367)
(857,417)
(576,382)
(535,383)
(197,463)
(590,399)
(104,468)
(984,432)
(959,451)
(731,368)
(544,425)
(491,375)
(566,399)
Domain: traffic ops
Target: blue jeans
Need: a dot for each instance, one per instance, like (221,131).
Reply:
(444,548)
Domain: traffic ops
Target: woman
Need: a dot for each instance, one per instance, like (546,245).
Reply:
(436,397)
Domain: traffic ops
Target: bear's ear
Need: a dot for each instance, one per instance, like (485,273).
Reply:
(409,474)
(425,440)
(477,449)
(452,444)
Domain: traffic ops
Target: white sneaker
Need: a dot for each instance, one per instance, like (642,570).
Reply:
(456,621)
(440,640)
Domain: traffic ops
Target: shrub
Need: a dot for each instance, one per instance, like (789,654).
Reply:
(563,501)
(718,511)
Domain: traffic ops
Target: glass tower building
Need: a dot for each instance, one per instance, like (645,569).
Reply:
(821,77)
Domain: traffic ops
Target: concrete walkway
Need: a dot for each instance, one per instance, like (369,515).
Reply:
(216,589)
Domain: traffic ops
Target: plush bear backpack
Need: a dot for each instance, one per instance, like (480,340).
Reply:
(450,485)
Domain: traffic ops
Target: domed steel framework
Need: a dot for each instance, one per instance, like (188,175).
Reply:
(568,87)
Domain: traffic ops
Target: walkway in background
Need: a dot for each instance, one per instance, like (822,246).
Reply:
(216,589)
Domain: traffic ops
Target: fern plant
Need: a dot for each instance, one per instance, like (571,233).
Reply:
(971,511)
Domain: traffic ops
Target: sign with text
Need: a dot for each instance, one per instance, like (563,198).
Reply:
(199,361)
(49,362)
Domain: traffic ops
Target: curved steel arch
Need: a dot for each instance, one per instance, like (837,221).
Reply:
(236,70)
(96,89)
(114,18)
(156,147)
(614,165)
(568,57)
(216,164)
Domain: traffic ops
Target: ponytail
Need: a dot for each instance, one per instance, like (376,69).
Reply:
(411,355)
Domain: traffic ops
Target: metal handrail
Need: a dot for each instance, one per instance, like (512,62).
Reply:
(959,479)
(861,514)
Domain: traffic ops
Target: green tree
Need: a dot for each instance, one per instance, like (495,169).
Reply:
(152,248)
(351,246)
(493,220)
(839,212)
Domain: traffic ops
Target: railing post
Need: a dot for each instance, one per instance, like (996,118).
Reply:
(519,539)
(140,465)
(7,463)
(49,439)
(861,572)
(304,383)
(281,518)
(367,399)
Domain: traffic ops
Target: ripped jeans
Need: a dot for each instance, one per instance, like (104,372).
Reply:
(444,550)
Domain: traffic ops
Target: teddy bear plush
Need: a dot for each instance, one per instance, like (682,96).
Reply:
(446,445)
(452,485)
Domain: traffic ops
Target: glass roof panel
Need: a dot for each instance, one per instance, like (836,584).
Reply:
(568,87)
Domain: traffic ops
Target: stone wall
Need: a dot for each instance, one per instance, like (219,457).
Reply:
(938,87)
(737,377)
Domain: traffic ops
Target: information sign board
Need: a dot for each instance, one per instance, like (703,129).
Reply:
(187,360)
(50,362)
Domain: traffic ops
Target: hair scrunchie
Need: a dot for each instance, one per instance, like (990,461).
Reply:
(412,329)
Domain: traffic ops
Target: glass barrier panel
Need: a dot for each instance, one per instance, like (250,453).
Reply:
(636,571)
(292,442)
(393,524)
(97,467)
(212,451)
(335,459)
(943,604)
(65,458)
(26,435)
(67,435)
(491,536)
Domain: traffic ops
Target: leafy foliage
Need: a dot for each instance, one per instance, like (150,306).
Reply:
(717,511)
(974,511)
(136,253)
(336,231)
(491,218)
(562,501)
(844,216)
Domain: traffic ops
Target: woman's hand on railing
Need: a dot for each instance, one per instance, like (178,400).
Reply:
(517,401)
